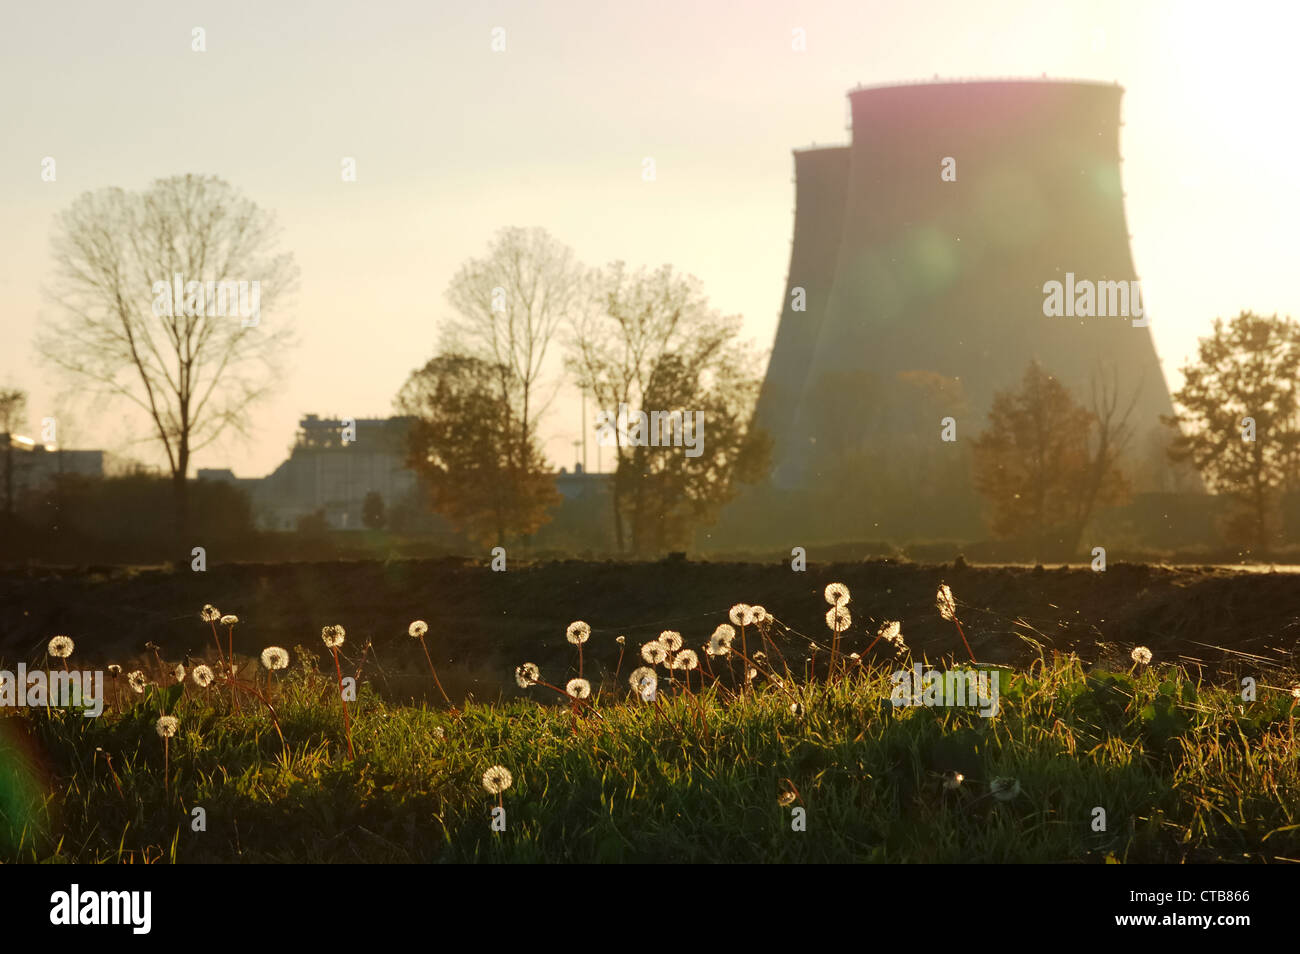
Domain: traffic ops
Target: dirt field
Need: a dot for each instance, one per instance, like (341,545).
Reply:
(483,623)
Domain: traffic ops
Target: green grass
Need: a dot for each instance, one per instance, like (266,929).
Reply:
(1184,772)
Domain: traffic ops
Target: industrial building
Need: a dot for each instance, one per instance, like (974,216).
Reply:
(332,467)
(921,253)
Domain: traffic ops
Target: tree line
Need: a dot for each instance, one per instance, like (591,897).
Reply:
(641,338)
(1047,461)
(644,338)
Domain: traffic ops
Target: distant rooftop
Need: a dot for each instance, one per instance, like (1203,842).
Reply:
(981,81)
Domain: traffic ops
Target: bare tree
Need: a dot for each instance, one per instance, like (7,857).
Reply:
(650,341)
(1108,440)
(510,304)
(1046,462)
(13,414)
(120,330)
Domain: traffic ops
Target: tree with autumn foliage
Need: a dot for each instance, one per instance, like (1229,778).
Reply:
(1238,420)
(1046,462)
(482,473)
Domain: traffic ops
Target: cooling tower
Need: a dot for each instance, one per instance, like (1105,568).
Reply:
(821,187)
(948,276)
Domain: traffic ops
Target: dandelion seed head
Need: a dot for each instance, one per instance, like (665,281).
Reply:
(720,641)
(621,640)
(751,674)
(332,636)
(644,681)
(578,688)
(742,614)
(838,618)
(654,652)
(856,658)
(274,657)
(943,599)
(578,632)
(60,647)
(1004,789)
(671,640)
(417,629)
(136,681)
(202,676)
(209,613)
(760,614)
(892,633)
(167,726)
(686,659)
(527,675)
(1141,655)
(497,779)
(179,673)
(114,670)
(230,619)
(837,594)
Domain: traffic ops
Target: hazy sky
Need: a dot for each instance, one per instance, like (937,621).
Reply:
(454,141)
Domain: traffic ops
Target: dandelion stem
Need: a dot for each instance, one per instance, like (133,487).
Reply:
(233,697)
(347,722)
(275,721)
(962,633)
(436,680)
(746,663)
(109,759)
(573,700)
(744,649)
(217,639)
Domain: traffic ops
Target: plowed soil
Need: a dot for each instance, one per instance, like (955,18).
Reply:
(1219,621)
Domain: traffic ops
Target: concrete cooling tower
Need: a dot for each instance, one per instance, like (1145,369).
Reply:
(945,274)
(821,188)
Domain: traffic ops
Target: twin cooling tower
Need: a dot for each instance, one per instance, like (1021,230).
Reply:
(904,268)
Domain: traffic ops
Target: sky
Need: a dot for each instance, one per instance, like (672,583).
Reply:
(454,141)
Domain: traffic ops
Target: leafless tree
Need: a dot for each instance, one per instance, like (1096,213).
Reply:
(650,340)
(1046,462)
(1109,441)
(509,305)
(194,374)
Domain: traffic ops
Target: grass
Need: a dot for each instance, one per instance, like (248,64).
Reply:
(1184,772)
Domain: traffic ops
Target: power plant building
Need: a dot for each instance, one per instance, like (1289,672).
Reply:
(922,258)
